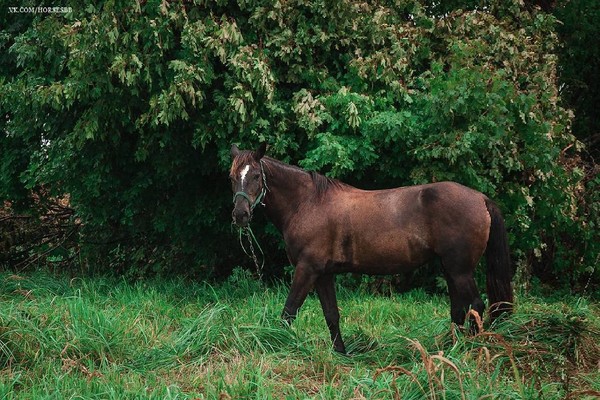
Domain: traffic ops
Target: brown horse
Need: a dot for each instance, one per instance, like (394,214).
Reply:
(330,227)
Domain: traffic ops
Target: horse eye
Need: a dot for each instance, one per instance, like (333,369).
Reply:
(255,177)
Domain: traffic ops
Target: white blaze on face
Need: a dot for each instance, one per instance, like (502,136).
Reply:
(243,174)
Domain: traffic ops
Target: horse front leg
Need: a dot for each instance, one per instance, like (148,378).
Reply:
(325,286)
(304,279)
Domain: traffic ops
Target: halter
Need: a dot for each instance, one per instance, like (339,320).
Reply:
(262,194)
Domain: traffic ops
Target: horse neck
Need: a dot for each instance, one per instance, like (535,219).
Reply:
(288,188)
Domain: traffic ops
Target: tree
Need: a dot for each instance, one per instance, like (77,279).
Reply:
(136,127)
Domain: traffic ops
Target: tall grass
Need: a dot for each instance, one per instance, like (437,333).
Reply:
(109,339)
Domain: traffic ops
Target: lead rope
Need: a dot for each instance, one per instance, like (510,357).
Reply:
(247,231)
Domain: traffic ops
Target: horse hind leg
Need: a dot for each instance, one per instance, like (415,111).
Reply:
(464,295)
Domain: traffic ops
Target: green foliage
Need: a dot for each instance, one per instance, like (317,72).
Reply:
(580,66)
(136,127)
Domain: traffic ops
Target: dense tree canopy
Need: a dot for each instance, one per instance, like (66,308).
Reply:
(130,108)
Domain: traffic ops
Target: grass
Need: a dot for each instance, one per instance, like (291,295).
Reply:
(108,339)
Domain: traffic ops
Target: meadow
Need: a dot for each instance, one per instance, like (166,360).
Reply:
(106,338)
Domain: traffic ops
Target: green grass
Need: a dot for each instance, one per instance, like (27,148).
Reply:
(108,339)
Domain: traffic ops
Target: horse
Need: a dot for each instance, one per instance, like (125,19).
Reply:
(330,227)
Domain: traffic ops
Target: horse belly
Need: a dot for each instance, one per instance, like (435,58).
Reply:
(385,253)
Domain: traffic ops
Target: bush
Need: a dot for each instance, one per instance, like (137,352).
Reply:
(136,127)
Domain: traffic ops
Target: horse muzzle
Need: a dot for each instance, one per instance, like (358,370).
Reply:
(241,217)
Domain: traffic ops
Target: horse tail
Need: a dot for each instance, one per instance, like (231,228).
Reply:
(499,271)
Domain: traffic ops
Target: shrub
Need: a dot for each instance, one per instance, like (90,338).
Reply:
(136,127)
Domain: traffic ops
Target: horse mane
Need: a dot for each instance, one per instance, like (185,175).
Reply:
(322,183)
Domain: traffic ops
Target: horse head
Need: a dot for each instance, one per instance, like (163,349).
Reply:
(247,182)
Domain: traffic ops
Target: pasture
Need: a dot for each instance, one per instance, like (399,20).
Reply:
(105,338)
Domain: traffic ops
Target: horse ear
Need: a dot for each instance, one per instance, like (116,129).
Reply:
(260,152)
(234,151)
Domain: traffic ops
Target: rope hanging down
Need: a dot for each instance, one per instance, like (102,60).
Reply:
(247,232)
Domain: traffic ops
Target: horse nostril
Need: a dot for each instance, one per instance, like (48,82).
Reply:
(241,217)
